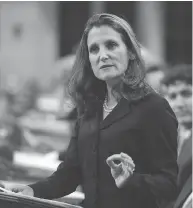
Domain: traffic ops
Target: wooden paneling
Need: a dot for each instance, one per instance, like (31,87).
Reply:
(72,18)
(178,18)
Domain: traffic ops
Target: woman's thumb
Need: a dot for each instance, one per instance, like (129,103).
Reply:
(111,164)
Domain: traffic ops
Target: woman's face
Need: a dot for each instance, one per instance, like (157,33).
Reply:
(108,53)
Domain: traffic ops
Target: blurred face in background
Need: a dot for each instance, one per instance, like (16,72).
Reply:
(154,79)
(108,54)
(179,95)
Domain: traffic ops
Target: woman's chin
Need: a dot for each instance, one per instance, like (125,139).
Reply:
(112,81)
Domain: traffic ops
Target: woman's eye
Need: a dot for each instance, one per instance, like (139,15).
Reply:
(94,49)
(111,45)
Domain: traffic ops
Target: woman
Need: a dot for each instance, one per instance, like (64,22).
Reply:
(124,147)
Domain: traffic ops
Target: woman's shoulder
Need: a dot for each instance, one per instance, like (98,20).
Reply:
(156,105)
(155,109)
(154,100)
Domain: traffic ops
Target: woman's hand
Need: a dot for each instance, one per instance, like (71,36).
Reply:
(19,188)
(123,170)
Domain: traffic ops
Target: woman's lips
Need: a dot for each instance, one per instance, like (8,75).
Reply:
(105,66)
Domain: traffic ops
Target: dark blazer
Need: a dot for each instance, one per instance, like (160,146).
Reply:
(185,173)
(146,130)
(184,181)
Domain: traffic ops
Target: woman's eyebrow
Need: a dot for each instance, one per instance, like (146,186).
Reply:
(111,41)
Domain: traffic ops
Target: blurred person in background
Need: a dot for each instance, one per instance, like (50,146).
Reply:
(177,88)
(154,76)
(177,85)
(11,135)
(25,98)
(124,148)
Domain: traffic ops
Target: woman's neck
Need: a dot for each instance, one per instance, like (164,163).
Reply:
(110,102)
(111,98)
(111,94)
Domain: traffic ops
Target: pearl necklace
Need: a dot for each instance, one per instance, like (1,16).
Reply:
(106,107)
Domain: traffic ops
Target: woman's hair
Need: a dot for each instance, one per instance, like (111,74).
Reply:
(85,89)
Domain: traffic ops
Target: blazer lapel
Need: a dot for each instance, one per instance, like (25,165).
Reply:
(122,109)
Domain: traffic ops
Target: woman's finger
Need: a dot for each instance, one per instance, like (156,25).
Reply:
(111,161)
(111,164)
(128,159)
(130,169)
(116,157)
(126,156)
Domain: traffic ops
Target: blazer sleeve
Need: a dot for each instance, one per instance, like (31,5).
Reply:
(159,141)
(67,177)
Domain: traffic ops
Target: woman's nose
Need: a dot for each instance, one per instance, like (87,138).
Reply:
(103,55)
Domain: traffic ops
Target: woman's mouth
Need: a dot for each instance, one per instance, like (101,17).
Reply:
(105,66)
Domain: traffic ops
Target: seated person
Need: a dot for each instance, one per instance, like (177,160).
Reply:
(177,85)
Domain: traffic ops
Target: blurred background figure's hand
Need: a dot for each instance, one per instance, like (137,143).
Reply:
(19,188)
(1,186)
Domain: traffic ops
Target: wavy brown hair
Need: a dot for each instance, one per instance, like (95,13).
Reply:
(85,89)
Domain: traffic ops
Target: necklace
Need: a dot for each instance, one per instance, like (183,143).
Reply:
(106,107)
